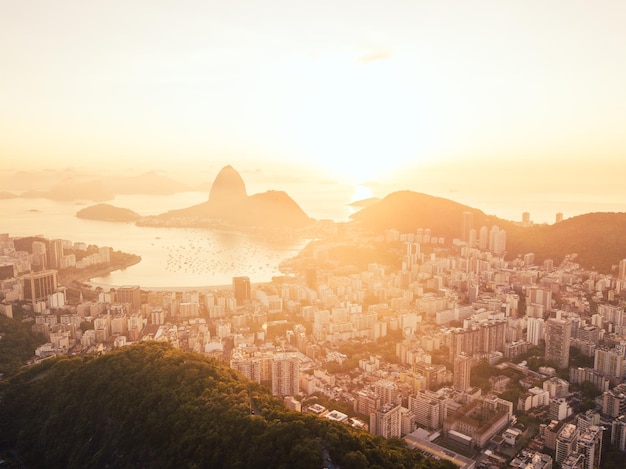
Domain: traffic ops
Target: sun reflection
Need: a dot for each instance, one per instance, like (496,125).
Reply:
(361,193)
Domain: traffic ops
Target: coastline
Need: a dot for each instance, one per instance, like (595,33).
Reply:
(69,279)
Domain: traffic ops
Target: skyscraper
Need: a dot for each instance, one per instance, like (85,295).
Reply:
(462,368)
(55,253)
(467,223)
(241,288)
(557,337)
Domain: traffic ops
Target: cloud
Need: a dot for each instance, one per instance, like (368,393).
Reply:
(375,56)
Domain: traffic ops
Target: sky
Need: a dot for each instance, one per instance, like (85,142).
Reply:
(519,96)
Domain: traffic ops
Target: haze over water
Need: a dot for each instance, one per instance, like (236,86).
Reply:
(171,257)
(191,257)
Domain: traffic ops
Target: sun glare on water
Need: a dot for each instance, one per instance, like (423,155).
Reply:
(361,193)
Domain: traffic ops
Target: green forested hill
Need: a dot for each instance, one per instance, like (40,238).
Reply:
(152,406)
(599,239)
(17,344)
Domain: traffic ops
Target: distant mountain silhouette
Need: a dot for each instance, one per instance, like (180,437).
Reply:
(106,212)
(147,183)
(72,189)
(599,239)
(72,185)
(227,190)
(407,211)
(358,204)
(228,202)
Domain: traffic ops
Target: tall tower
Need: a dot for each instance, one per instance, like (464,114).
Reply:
(483,238)
(557,336)
(285,376)
(241,287)
(55,253)
(462,368)
(467,223)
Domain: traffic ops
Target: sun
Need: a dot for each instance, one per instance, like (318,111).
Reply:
(353,117)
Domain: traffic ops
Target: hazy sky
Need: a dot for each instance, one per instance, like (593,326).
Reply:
(510,91)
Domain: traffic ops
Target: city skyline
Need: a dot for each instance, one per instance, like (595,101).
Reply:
(519,96)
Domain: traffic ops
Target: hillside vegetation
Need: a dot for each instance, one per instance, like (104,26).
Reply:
(152,406)
(599,239)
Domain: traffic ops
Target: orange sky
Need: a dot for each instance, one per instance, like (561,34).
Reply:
(359,89)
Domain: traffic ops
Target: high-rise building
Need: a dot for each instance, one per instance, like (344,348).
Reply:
(250,367)
(540,296)
(590,445)
(434,375)
(55,253)
(587,419)
(526,219)
(386,421)
(622,269)
(241,288)
(609,362)
(38,286)
(387,391)
(497,240)
(285,376)
(559,410)
(467,223)
(462,368)
(429,409)
(566,442)
(557,337)
(614,401)
(40,255)
(483,238)
(129,294)
(534,330)
(618,432)
(559,217)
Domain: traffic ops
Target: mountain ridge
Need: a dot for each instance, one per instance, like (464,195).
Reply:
(598,238)
(229,203)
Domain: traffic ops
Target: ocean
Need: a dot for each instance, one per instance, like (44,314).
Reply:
(187,258)
(181,258)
